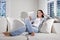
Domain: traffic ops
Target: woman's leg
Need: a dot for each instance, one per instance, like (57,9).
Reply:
(29,26)
(35,29)
(18,31)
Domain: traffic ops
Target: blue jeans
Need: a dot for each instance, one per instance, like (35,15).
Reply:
(28,27)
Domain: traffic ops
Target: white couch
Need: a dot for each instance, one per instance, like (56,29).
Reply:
(38,36)
(3,27)
(43,36)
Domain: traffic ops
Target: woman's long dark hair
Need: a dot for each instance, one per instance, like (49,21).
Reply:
(41,12)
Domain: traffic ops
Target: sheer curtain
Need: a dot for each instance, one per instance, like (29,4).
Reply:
(2,8)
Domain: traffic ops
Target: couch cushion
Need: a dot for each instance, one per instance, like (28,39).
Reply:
(44,36)
(20,37)
(40,36)
(55,36)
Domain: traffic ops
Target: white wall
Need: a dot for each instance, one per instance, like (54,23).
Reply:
(15,7)
(43,5)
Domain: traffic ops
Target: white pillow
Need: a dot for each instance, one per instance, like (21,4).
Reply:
(3,25)
(46,27)
(14,23)
(10,23)
(17,23)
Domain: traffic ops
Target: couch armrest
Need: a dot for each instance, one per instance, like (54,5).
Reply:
(56,27)
(3,25)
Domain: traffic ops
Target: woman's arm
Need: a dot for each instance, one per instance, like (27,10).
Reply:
(32,21)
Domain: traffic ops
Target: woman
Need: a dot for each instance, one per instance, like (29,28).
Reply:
(31,27)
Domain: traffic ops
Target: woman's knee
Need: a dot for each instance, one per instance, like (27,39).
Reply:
(27,20)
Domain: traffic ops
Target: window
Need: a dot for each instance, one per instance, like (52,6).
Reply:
(58,8)
(2,8)
(51,9)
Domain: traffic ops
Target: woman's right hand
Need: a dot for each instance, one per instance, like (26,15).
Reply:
(30,18)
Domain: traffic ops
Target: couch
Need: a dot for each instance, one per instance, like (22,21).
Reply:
(4,22)
(3,28)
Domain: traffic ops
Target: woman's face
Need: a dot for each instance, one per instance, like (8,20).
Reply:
(39,14)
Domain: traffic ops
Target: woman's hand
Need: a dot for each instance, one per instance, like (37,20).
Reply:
(30,18)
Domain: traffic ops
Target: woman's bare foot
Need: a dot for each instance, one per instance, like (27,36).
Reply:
(32,34)
(6,33)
